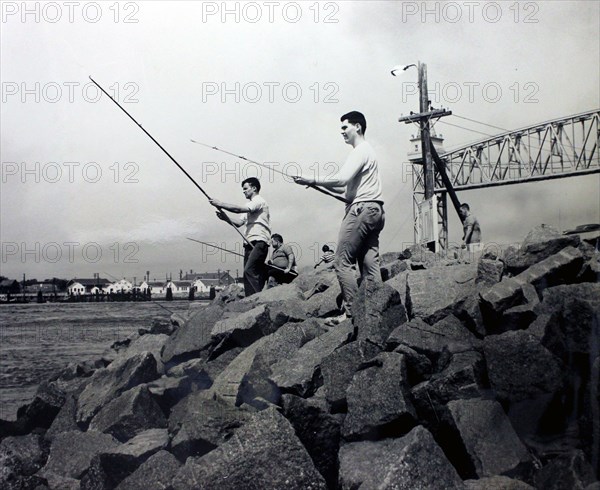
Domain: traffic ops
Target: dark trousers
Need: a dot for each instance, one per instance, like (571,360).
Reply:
(255,272)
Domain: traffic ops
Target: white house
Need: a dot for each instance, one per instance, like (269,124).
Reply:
(75,288)
(120,286)
(200,286)
(156,287)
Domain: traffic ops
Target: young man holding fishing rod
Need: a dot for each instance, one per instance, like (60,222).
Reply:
(258,232)
(358,240)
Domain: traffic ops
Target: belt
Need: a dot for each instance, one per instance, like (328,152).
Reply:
(366,202)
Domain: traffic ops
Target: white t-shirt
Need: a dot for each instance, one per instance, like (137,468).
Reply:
(360,175)
(257,220)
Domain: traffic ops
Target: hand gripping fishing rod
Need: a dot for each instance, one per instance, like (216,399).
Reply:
(169,155)
(312,186)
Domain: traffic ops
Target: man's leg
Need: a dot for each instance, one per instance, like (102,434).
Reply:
(254,268)
(369,258)
(345,258)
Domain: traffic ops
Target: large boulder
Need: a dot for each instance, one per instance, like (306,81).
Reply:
(198,425)
(129,414)
(431,340)
(108,383)
(242,329)
(414,461)
(71,453)
(147,343)
(65,420)
(377,310)
(318,431)
(577,307)
(559,268)
(300,374)
(338,369)
(539,244)
(194,336)
(430,291)
(109,468)
(44,407)
(284,292)
(379,403)
(20,458)
(156,472)
(520,367)
(484,432)
(246,377)
(265,453)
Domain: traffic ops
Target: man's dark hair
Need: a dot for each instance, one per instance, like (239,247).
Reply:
(466,206)
(278,237)
(253,181)
(356,117)
(325,248)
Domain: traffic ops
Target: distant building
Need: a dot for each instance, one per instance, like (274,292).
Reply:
(85,286)
(155,287)
(122,286)
(211,279)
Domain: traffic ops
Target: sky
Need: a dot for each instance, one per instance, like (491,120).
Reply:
(85,191)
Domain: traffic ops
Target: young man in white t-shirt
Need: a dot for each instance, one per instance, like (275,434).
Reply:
(358,240)
(257,219)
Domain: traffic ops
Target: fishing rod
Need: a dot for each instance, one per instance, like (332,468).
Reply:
(169,155)
(312,186)
(214,246)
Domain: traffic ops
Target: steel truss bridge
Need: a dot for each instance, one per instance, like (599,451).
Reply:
(560,148)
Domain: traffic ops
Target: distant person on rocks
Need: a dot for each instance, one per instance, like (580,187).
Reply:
(258,232)
(472,231)
(358,241)
(283,268)
(327,257)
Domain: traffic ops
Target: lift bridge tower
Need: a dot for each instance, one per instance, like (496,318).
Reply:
(555,149)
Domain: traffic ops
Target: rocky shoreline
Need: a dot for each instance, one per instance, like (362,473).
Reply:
(480,375)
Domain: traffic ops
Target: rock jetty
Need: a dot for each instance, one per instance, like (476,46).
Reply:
(455,374)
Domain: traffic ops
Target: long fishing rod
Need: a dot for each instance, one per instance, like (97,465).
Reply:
(169,155)
(312,186)
(214,246)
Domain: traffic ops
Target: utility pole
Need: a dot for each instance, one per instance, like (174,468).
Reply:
(426,113)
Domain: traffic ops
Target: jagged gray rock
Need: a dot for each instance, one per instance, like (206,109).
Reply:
(300,373)
(520,367)
(379,403)
(156,472)
(20,457)
(430,340)
(489,272)
(318,431)
(108,383)
(193,337)
(539,244)
(377,310)
(559,268)
(65,420)
(131,413)
(198,425)
(577,307)
(71,453)
(414,461)
(109,468)
(491,445)
(265,453)
(431,290)
(243,329)
(338,369)
(147,343)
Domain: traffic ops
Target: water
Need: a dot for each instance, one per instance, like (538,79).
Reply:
(36,340)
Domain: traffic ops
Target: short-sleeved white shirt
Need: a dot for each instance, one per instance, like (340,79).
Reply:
(257,220)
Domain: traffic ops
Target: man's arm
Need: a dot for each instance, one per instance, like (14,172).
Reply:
(225,217)
(234,208)
(340,179)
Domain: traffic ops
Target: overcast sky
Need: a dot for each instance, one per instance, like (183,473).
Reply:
(84,190)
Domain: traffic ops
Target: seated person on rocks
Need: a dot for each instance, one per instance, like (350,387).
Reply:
(327,257)
(282,268)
